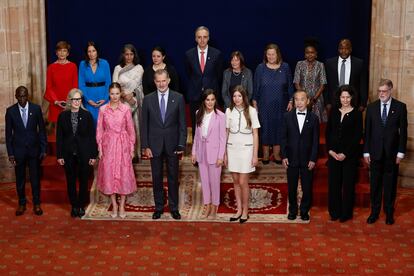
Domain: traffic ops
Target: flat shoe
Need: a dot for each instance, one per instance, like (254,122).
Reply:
(235,218)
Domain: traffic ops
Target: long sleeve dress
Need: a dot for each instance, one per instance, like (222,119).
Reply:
(94,86)
(115,136)
(60,79)
(130,79)
(272,90)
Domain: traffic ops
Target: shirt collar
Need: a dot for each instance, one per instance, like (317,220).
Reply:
(305,111)
(388,103)
(165,93)
(205,50)
(23,107)
(347,59)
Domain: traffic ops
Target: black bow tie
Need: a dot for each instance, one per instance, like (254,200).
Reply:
(301,113)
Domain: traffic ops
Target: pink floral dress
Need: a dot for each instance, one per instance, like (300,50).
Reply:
(115,136)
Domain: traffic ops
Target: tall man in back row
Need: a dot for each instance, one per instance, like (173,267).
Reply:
(384,148)
(26,145)
(204,67)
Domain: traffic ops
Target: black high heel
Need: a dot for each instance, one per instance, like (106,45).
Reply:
(235,219)
(244,220)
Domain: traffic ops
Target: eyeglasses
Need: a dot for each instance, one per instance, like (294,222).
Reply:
(383,91)
(76,99)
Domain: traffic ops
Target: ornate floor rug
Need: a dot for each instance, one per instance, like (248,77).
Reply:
(268,197)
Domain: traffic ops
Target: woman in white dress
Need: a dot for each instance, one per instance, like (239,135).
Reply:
(242,126)
(129,75)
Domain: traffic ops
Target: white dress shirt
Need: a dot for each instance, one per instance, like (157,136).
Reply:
(205,54)
(301,119)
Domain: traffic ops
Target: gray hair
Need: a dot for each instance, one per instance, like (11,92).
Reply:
(72,93)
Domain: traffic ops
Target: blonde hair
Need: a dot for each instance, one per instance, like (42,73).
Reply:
(72,93)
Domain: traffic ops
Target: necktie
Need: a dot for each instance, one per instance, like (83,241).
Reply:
(202,62)
(342,73)
(301,113)
(384,115)
(162,107)
(24,117)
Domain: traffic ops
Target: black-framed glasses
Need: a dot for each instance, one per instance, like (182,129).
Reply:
(76,99)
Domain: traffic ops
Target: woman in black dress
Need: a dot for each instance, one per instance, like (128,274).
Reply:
(343,136)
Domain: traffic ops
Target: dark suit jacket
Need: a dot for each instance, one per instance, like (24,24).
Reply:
(344,137)
(162,137)
(30,140)
(358,80)
(299,147)
(390,139)
(210,78)
(83,141)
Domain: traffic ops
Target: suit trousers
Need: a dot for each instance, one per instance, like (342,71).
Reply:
(172,178)
(210,178)
(306,175)
(341,187)
(383,178)
(77,168)
(34,175)
(194,106)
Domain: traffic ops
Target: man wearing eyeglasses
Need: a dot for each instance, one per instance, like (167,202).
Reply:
(384,148)
(26,145)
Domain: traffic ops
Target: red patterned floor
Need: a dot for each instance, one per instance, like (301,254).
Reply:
(56,244)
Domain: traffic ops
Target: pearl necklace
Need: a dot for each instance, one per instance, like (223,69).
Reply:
(236,73)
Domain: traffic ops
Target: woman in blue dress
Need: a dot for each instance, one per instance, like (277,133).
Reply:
(94,80)
(272,94)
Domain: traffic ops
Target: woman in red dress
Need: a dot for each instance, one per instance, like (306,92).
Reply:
(62,76)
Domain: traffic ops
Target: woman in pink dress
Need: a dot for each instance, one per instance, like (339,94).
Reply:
(115,135)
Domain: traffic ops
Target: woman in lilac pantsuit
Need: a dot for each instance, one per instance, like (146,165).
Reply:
(208,150)
(115,136)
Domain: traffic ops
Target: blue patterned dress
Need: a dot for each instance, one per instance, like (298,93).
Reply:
(272,90)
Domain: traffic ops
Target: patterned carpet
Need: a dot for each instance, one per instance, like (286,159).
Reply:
(56,244)
(268,202)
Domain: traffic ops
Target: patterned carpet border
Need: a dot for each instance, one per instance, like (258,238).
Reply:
(140,204)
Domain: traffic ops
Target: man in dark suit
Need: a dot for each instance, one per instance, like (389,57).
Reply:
(164,136)
(204,67)
(299,151)
(346,69)
(26,144)
(384,148)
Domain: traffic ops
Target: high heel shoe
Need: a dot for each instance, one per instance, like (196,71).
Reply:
(235,219)
(244,220)
(114,213)
(122,214)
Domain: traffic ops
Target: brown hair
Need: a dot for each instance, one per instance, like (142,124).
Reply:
(276,48)
(246,105)
(62,45)
(386,82)
(202,109)
(240,56)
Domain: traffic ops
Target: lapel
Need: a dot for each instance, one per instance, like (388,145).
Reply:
(295,120)
(335,64)
(351,72)
(156,106)
(306,122)
(170,105)
(197,60)
(378,112)
(391,112)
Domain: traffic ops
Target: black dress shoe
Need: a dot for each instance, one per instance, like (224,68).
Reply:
(175,215)
(235,218)
(389,220)
(334,218)
(291,216)
(74,212)
(156,215)
(37,210)
(242,220)
(265,162)
(81,212)
(20,210)
(372,218)
(344,219)
(304,216)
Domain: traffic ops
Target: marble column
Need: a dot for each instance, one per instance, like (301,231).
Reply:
(22,60)
(392,57)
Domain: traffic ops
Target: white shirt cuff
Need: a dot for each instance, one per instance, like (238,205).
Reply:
(366,154)
(400,155)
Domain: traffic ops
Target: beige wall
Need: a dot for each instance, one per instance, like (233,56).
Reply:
(392,57)
(22,59)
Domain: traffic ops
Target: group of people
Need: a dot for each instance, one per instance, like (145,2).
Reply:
(141,112)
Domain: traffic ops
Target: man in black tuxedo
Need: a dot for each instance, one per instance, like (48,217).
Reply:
(346,69)
(164,136)
(204,67)
(26,144)
(299,151)
(384,148)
